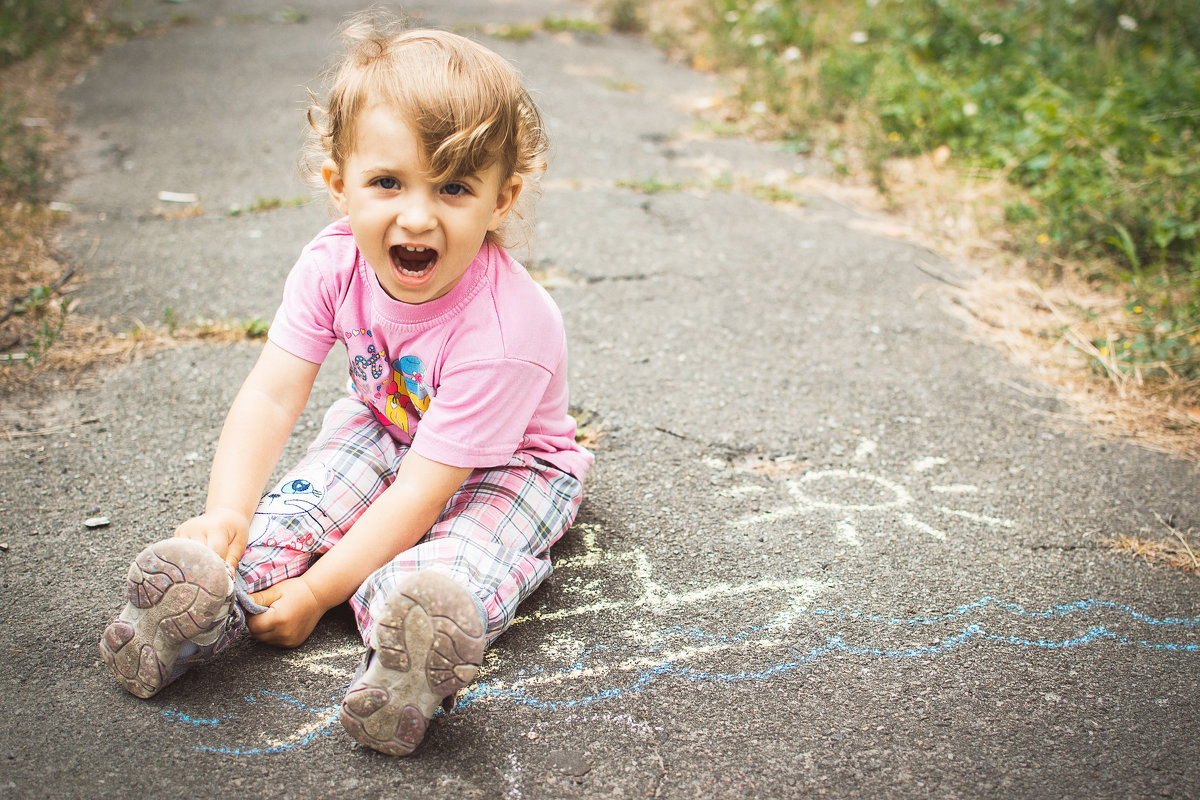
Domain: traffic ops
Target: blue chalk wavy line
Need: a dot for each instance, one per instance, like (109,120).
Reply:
(832,647)
(836,645)
(179,717)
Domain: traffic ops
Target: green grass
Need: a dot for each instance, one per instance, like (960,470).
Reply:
(619,16)
(650,186)
(27,26)
(24,167)
(571,25)
(512,33)
(1091,108)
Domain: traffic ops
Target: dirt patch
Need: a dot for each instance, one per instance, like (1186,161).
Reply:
(1054,325)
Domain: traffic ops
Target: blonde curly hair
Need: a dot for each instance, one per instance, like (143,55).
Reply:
(466,104)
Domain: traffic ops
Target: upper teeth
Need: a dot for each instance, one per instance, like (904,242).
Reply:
(411,249)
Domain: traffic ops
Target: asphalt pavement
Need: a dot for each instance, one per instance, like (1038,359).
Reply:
(833,545)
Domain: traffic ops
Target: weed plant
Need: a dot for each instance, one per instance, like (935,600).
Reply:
(1092,107)
(39,39)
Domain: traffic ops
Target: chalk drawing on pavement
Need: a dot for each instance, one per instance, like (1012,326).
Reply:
(567,675)
(588,580)
(639,669)
(588,577)
(852,496)
(769,628)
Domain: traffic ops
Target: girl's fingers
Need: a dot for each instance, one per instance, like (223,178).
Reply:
(261,625)
(267,596)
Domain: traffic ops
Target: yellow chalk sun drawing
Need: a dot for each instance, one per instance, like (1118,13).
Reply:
(855,496)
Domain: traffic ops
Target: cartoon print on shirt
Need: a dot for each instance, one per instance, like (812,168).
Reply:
(407,390)
(366,371)
(401,391)
(373,361)
(297,494)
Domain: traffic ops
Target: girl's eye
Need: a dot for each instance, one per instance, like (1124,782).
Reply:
(389,184)
(455,189)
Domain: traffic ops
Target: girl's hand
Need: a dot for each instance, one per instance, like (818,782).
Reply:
(224,531)
(292,614)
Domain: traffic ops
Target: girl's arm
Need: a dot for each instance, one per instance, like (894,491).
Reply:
(395,522)
(256,428)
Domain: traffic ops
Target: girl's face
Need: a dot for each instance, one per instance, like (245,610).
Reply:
(419,237)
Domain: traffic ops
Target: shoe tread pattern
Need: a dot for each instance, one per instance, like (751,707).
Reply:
(432,624)
(178,590)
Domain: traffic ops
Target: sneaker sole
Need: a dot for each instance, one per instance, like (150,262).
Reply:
(427,644)
(178,590)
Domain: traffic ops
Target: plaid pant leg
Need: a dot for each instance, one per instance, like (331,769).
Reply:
(494,538)
(349,464)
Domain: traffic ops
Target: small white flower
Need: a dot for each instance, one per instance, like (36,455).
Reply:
(757,40)
(731,17)
(792,54)
(991,39)
(759,107)
(970,109)
(1127,22)
(859,37)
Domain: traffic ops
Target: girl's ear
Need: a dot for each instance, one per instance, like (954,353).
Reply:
(505,200)
(335,184)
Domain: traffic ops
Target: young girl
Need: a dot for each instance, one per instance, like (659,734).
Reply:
(434,491)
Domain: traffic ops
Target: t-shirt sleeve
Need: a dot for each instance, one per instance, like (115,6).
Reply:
(303,324)
(481,412)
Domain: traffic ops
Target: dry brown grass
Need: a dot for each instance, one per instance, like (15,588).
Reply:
(588,432)
(1052,331)
(84,344)
(1174,550)
(33,276)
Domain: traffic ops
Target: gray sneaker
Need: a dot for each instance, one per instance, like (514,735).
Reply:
(180,613)
(427,644)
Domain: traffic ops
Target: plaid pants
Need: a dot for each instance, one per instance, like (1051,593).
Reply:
(493,537)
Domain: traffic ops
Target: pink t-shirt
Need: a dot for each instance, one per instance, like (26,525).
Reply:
(469,379)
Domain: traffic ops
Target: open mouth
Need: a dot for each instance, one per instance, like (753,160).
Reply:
(412,260)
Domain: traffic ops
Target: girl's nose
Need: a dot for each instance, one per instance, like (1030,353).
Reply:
(416,214)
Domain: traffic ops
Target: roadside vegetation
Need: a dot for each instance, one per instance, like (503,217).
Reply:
(1056,145)
(43,43)
(1052,147)
(43,46)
